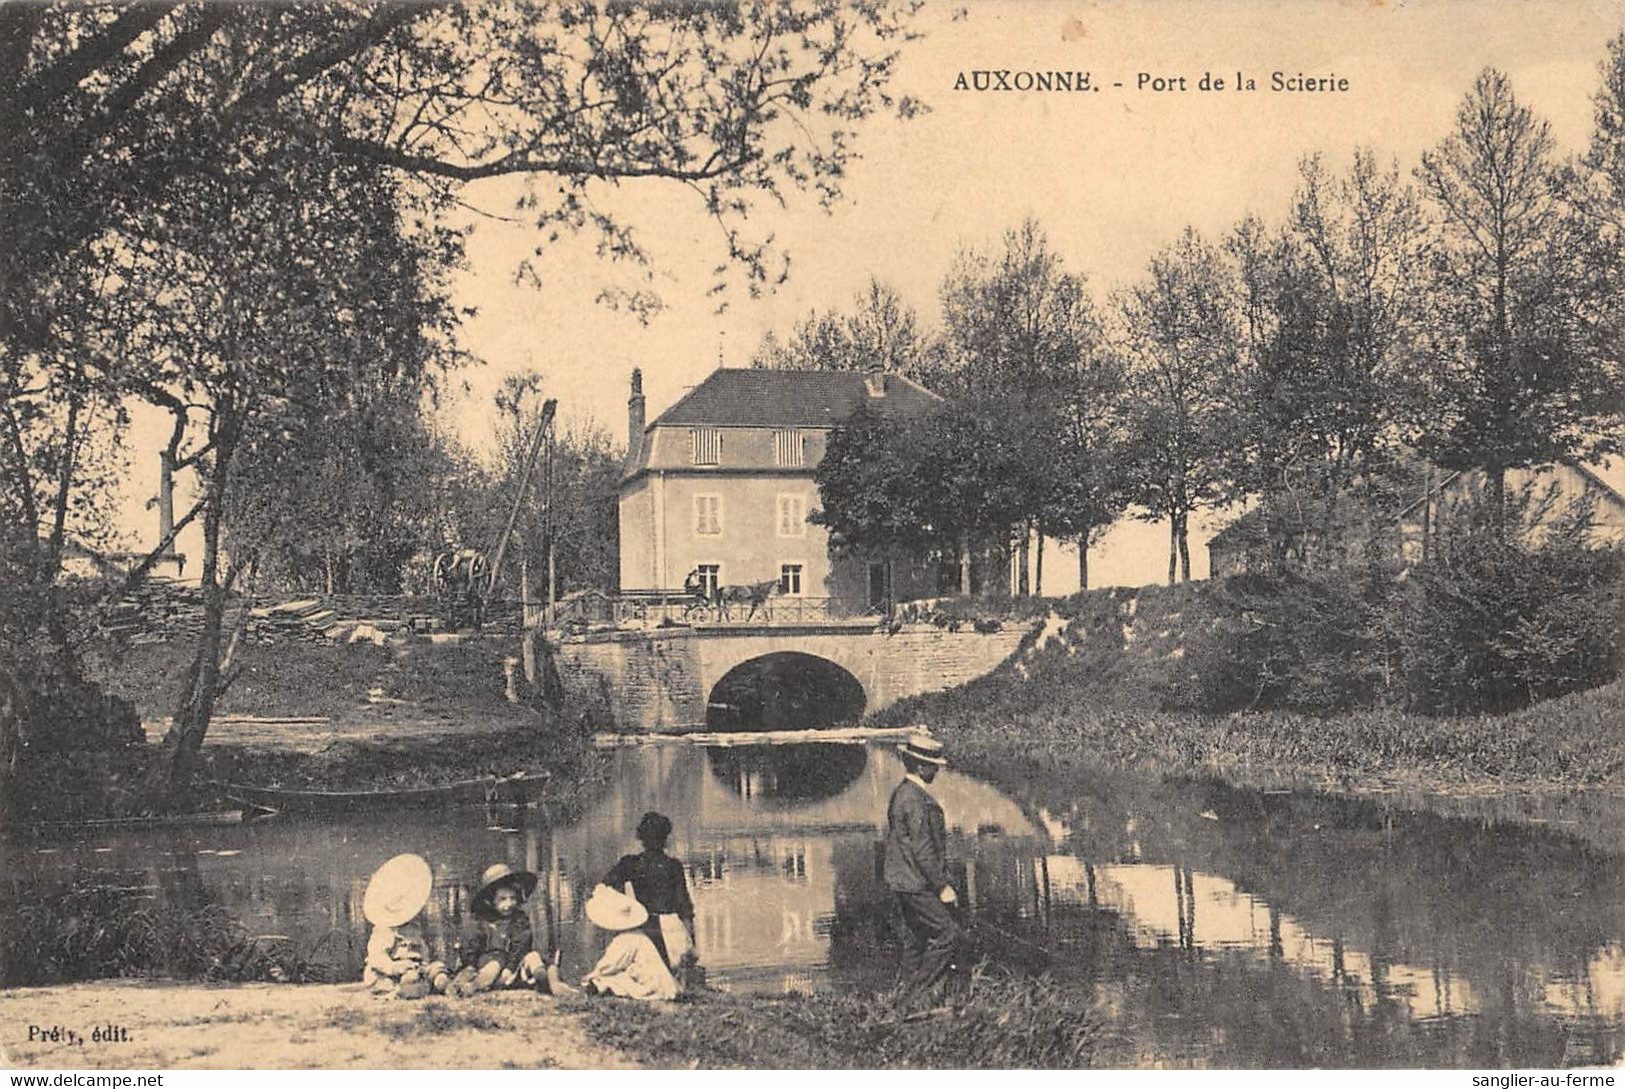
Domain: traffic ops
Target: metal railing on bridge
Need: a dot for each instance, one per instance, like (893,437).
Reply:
(656,609)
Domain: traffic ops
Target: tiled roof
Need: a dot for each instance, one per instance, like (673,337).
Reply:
(1611,472)
(784,398)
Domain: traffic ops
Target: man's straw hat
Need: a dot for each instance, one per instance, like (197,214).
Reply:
(398,891)
(615,910)
(924,748)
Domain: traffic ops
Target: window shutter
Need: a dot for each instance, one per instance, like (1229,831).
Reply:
(707,515)
(707,445)
(789,449)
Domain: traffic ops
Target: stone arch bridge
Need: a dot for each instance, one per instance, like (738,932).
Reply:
(674,679)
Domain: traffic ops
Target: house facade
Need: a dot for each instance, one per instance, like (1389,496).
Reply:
(722,482)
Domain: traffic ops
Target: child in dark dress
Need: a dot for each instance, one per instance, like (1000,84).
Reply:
(499,950)
(661,886)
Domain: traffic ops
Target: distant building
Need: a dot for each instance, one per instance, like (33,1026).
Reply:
(722,482)
(1544,493)
(1239,547)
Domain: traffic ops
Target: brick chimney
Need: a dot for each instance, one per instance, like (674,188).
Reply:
(874,378)
(635,418)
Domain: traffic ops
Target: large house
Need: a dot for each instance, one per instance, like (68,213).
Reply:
(721,484)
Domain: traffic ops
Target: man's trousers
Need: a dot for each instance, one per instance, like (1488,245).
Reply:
(932,934)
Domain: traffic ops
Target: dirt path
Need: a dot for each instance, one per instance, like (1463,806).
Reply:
(238,1026)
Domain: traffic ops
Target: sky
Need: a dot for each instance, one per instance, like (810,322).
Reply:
(1112,176)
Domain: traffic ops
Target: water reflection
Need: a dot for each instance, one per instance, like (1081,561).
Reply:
(1223,925)
(792,773)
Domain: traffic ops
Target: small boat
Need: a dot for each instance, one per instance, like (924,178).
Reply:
(241,815)
(521,788)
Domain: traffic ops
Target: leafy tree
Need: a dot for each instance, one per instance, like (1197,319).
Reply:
(1178,330)
(1022,341)
(879,329)
(178,138)
(931,486)
(256,327)
(1594,193)
(1330,308)
(1515,377)
(110,106)
(874,492)
(337,503)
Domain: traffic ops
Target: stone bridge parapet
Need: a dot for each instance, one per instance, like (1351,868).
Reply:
(661,680)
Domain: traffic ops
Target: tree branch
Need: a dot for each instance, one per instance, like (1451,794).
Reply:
(522,162)
(91,54)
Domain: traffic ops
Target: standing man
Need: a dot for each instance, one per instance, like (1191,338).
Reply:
(916,866)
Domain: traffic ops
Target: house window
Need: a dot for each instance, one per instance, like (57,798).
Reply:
(790,579)
(707,445)
(792,516)
(710,578)
(789,449)
(708,515)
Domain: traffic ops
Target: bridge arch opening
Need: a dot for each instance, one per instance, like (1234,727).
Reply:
(788,690)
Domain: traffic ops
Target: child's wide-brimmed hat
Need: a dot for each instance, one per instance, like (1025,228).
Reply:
(398,891)
(615,910)
(499,875)
(925,748)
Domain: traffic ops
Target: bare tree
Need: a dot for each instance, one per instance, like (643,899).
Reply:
(1514,382)
(1178,332)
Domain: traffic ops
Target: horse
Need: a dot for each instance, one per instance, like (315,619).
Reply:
(756,595)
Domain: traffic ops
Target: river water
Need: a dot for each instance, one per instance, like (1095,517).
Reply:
(1219,926)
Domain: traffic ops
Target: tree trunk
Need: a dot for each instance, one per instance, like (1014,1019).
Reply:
(1184,548)
(1038,566)
(1023,559)
(1173,548)
(181,745)
(1495,477)
(964,565)
(1083,560)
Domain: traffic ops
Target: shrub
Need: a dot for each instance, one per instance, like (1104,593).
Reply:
(84,932)
(1308,642)
(1496,624)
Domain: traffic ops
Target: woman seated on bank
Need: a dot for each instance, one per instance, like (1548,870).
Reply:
(661,886)
(631,966)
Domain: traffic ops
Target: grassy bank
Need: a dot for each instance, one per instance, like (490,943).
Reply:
(1111,686)
(1570,743)
(992,1024)
(414,714)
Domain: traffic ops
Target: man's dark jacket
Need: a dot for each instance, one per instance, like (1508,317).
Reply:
(916,841)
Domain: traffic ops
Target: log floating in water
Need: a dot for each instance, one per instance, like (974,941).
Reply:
(834,736)
(260,720)
(225,816)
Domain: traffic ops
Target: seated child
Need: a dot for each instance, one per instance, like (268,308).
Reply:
(631,966)
(499,951)
(398,960)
